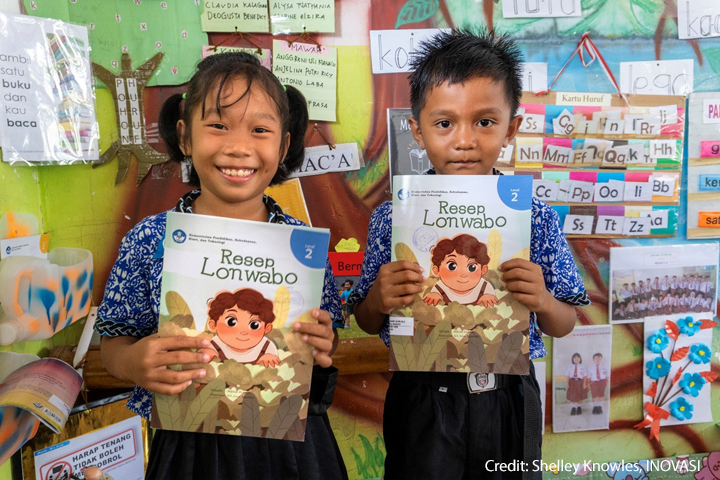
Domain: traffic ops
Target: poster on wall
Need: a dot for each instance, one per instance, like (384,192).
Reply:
(663,280)
(581,379)
(677,374)
(224,280)
(459,229)
(703,199)
(48,113)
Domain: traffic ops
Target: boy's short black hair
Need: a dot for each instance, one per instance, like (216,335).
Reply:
(462,54)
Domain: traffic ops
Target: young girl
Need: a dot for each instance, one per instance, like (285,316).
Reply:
(241,130)
(576,391)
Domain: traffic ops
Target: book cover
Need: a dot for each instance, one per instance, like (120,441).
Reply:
(241,285)
(459,229)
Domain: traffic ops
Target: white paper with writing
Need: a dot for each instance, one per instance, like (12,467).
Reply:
(698,18)
(664,77)
(391,50)
(578,224)
(534,76)
(540,9)
(609,225)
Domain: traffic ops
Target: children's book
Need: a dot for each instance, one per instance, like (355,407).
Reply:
(459,229)
(241,285)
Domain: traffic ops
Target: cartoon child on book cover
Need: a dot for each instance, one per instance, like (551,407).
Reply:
(240,321)
(460,264)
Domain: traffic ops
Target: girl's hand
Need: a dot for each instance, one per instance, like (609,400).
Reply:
(146,362)
(320,335)
(525,281)
(395,286)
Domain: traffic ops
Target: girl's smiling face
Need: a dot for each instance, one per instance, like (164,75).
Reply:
(237,151)
(239,329)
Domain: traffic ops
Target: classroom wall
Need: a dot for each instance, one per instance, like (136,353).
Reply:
(80,206)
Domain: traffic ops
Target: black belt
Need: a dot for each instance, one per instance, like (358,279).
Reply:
(456,381)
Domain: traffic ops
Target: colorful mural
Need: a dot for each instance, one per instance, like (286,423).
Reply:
(81,206)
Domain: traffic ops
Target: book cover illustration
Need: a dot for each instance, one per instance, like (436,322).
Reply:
(459,229)
(241,285)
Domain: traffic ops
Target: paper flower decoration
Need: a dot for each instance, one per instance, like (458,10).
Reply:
(657,342)
(691,383)
(681,409)
(699,354)
(658,368)
(688,326)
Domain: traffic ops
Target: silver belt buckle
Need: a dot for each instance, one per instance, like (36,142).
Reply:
(481,382)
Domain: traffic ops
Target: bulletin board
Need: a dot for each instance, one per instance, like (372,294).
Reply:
(96,212)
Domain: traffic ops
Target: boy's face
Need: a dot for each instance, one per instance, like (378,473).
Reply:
(239,329)
(459,273)
(597,360)
(464,126)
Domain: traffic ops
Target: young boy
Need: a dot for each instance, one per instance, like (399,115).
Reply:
(598,383)
(465,92)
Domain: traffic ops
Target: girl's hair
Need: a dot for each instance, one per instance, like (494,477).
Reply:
(245,299)
(212,74)
(576,355)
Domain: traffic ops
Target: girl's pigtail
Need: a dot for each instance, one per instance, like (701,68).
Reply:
(297,127)
(167,125)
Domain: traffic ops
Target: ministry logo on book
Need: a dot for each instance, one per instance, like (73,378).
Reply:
(179,236)
(403,194)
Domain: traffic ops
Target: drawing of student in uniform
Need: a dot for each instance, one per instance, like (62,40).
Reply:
(240,320)
(460,263)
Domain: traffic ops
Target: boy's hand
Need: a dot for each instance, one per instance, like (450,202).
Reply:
(525,281)
(395,286)
(146,362)
(320,335)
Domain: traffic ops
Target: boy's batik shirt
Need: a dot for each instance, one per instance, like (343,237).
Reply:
(131,304)
(548,249)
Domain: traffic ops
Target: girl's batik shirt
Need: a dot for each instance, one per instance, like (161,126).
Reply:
(131,304)
(548,249)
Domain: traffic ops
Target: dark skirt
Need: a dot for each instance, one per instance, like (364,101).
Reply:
(576,392)
(185,455)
